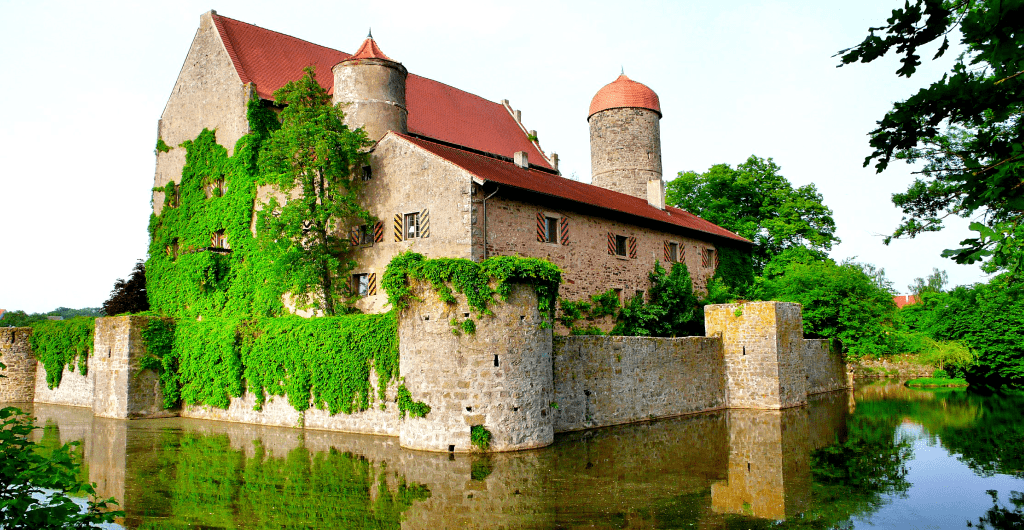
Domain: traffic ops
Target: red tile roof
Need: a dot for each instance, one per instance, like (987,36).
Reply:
(370,50)
(624,92)
(903,300)
(509,174)
(270,59)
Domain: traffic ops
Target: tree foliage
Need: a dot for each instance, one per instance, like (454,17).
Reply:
(848,302)
(310,159)
(933,283)
(36,488)
(129,296)
(672,310)
(966,127)
(755,201)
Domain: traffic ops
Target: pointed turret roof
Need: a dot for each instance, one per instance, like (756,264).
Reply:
(370,50)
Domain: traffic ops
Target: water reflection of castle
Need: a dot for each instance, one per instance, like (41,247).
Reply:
(695,469)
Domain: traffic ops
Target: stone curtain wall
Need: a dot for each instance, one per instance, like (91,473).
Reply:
(499,377)
(602,380)
(122,389)
(75,389)
(826,370)
(18,384)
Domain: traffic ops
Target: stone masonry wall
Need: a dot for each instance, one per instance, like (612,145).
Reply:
(602,380)
(373,94)
(19,378)
(207,94)
(625,149)
(499,377)
(587,266)
(826,370)
(763,346)
(75,389)
(121,387)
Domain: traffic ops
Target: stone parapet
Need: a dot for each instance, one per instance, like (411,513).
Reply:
(19,378)
(122,388)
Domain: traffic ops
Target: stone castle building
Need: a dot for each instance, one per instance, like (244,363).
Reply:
(455,175)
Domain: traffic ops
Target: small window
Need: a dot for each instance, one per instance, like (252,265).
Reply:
(361,284)
(412,225)
(673,252)
(362,235)
(550,230)
(708,260)
(367,173)
(219,240)
(620,245)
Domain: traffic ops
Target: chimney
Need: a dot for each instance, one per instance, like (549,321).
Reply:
(554,161)
(519,116)
(522,160)
(656,193)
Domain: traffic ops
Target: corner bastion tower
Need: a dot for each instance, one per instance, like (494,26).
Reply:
(372,87)
(625,140)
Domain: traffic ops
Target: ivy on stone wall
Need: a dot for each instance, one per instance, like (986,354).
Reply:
(162,146)
(478,282)
(158,337)
(62,343)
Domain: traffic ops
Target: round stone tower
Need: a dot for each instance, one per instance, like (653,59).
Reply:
(625,138)
(372,87)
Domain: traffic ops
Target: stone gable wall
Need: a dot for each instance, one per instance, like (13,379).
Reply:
(207,94)
(602,380)
(18,384)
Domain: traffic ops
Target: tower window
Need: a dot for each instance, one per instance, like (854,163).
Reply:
(550,230)
(673,252)
(620,245)
(361,284)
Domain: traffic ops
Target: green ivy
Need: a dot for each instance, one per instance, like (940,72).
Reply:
(600,305)
(62,343)
(473,280)
(158,337)
(480,437)
(416,409)
(161,146)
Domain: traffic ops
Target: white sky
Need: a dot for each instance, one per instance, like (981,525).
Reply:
(85,82)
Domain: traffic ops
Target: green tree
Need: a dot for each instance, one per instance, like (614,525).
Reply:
(966,127)
(756,202)
(672,309)
(310,159)
(848,302)
(129,296)
(35,488)
(933,283)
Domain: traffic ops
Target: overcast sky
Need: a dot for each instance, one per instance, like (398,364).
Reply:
(85,83)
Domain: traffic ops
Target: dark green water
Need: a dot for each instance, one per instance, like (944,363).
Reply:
(882,457)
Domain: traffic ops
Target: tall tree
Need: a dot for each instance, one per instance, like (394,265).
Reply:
(756,202)
(311,159)
(965,127)
(933,283)
(129,296)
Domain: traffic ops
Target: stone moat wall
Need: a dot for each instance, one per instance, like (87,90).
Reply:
(511,376)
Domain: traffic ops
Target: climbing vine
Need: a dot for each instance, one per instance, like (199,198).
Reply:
(478,282)
(158,337)
(480,437)
(598,306)
(416,409)
(62,343)
(162,146)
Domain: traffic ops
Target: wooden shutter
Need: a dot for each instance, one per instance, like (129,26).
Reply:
(425,223)
(564,225)
(632,247)
(378,232)
(668,252)
(541,228)
(372,287)
(704,258)
(611,243)
(353,236)
(398,227)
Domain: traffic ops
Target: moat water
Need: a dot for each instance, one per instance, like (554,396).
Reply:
(883,456)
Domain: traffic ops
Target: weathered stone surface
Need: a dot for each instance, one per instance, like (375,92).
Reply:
(19,378)
(372,92)
(507,364)
(826,370)
(625,149)
(601,380)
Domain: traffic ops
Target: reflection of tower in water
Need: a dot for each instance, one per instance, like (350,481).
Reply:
(769,474)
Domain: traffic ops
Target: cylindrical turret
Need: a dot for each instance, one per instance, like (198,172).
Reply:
(372,87)
(625,137)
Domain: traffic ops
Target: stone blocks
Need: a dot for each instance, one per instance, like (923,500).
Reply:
(19,378)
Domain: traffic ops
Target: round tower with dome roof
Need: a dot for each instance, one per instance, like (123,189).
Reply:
(625,139)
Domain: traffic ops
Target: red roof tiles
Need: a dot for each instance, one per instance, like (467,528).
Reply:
(624,92)
(370,50)
(270,59)
(509,174)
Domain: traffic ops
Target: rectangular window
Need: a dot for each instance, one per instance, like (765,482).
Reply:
(708,260)
(550,230)
(673,252)
(367,173)
(620,245)
(361,284)
(412,225)
(363,235)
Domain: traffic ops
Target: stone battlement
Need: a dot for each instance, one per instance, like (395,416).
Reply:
(511,376)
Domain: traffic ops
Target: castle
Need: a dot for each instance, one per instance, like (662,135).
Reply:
(452,174)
